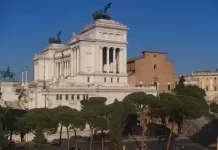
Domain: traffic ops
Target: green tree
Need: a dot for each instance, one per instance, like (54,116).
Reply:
(77,122)
(193,91)
(3,137)
(214,107)
(12,121)
(65,117)
(3,132)
(143,103)
(39,121)
(62,115)
(117,111)
(39,140)
(91,112)
(22,128)
(103,111)
(179,108)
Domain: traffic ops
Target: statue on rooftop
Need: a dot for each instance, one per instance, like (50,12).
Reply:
(102,14)
(7,74)
(52,40)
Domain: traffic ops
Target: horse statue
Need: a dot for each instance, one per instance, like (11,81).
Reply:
(7,74)
(56,41)
(102,14)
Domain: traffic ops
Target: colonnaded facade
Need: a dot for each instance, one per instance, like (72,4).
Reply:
(207,80)
(93,64)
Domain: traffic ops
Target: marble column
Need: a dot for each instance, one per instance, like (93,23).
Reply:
(71,62)
(66,68)
(22,78)
(74,61)
(57,69)
(54,69)
(124,60)
(108,66)
(26,77)
(60,67)
(101,59)
(114,60)
(70,68)
(63,68)
(56,73)
(120,61)
(77,60)
(211,85)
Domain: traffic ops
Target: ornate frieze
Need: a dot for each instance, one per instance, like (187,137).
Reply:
(110,24)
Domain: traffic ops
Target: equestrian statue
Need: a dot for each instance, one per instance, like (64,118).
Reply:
(7,75)
(52,40)
(102,14)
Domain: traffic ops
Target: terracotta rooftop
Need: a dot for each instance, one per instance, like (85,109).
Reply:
(143,52)
(133,59)
(153,52)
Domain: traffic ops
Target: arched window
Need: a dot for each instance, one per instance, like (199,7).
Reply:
(169,86)
(155,66)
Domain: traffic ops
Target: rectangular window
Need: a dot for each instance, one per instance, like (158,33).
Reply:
(105,80)
(132,66)
(87,79)
(169,88)
(66,96)
(128,67)
(207,88)
(87,96)
(78,97)
(155,66)
(57,97)
(72,97)
(84,96)
(60,96)
(215,88)
(118,80)
(111,80)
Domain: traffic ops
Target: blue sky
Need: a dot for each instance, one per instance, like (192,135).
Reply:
(186,29)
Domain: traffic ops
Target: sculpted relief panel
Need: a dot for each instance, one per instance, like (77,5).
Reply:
(111,36)
(62,54)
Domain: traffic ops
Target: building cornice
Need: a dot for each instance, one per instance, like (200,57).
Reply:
(99,89)
(105,42)
(111,24)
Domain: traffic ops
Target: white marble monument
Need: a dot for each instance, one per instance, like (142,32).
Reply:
(93,64)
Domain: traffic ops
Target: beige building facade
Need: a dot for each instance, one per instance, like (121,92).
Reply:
(207,80)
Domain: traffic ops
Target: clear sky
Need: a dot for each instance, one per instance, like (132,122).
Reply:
(186,29)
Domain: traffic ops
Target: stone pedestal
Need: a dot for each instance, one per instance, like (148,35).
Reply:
(8,90)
